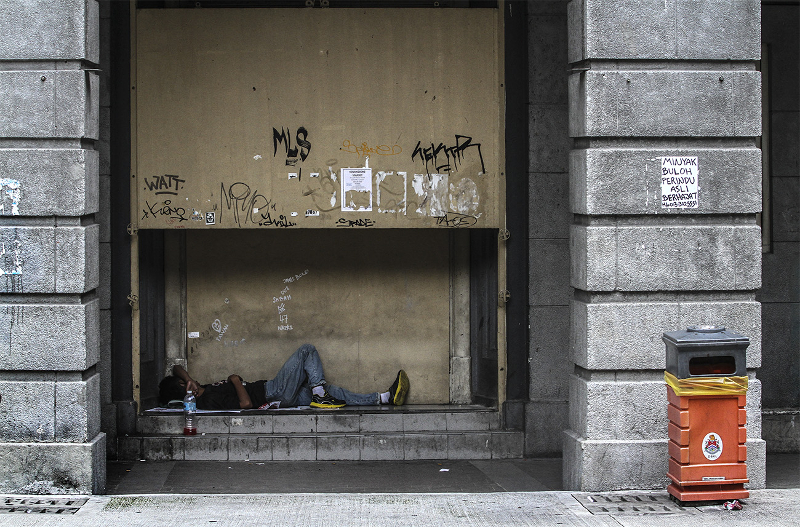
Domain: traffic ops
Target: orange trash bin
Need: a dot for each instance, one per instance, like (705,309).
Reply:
(706,390)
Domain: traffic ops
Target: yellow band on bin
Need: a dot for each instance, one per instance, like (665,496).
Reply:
(707,385)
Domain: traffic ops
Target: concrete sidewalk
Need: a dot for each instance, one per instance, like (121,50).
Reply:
(436,493)
(764,507)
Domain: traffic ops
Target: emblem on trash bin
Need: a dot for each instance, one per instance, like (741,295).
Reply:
(712,446)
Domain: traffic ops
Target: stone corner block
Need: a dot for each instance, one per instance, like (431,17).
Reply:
(757,464)
(654,103)
(49,182)
(728,181)
(627,335)
(618,410)
(601,466)
(670,30)
(77,258)
(50,259)
(60,468)
(46,30)
(77,405)
(49,337)
(49,104)
(665,258)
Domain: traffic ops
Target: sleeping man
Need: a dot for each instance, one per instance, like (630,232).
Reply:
(299,382)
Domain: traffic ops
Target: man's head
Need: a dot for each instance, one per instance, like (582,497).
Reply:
(170,388)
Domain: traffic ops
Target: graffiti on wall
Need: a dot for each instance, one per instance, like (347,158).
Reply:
(302,146)
(444,158)
(438,192)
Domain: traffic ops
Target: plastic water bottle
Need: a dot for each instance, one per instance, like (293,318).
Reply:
(189,414)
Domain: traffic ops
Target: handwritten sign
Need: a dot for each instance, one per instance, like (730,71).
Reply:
(679,182)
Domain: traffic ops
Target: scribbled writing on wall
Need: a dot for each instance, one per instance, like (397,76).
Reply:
(164,209)
(302,144)
(281,300)
(219,328)
(10,194)
(295,277)
(455,220)
(444,158)
(323,187)
(364,149)
(281,221)
(248,206)
(165,184)
(362,222)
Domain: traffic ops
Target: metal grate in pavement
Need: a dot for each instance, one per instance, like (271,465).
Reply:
(41,505)
(630,504)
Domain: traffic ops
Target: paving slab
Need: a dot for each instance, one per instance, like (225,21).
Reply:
(422,493)
(765,507)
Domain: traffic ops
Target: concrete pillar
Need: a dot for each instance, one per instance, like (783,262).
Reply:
(50,439)
(651,80)
(549,289)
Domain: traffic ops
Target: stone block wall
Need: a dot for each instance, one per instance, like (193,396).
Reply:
(780,292)
(50,438)
(548,229)
(649,80)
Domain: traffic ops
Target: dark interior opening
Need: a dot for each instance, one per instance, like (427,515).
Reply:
(725,365)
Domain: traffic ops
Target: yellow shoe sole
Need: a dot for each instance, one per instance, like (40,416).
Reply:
(399,397)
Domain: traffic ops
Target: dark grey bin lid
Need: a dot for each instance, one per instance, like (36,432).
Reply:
(697,344)
(704,336)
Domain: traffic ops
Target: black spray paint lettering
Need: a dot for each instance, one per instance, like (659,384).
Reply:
(268,221)
(364,222)
(243,202)
(452,219)
(446,158)
(283,137)
(163,209)
(165,184)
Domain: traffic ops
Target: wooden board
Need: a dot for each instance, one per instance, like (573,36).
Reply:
(253,118)
(371,303)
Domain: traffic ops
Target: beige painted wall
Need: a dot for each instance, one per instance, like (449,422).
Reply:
(419,91)
(372,303)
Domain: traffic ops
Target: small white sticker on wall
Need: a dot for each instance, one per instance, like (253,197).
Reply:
(194,334)
(292,175)
(679,186)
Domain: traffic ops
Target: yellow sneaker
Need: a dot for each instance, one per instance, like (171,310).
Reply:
(399,389)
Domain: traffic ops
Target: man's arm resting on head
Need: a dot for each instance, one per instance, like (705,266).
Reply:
(191,384)
(244,399)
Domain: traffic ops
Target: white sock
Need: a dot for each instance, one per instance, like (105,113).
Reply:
(385,397)
(318,390)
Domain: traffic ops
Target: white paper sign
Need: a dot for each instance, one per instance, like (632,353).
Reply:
(356,189)
(679,182)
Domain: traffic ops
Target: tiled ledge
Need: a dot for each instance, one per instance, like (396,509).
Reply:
(345,420)
(494,444)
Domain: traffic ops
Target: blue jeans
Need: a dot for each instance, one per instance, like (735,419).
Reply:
(303,371)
